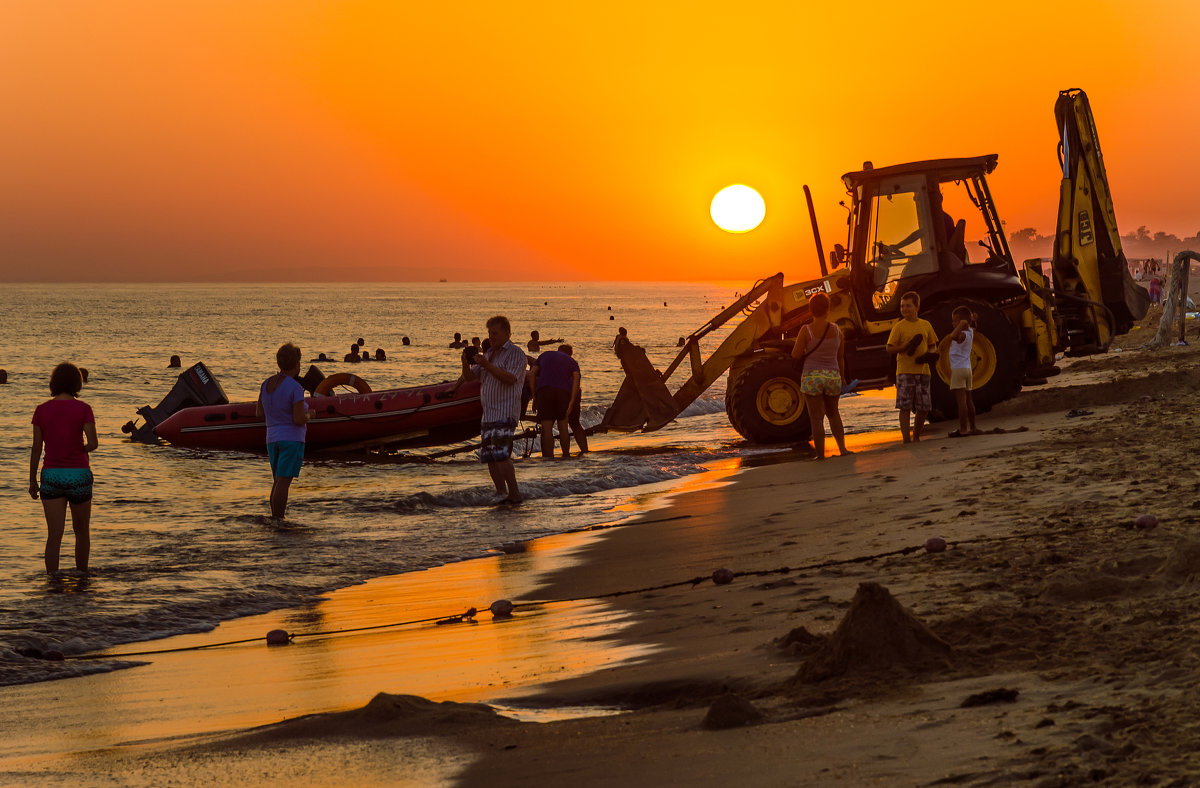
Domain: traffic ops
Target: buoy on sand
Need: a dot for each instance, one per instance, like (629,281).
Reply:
(278,637)
(935,544)
(1145,522)
(501,608)
(722,577)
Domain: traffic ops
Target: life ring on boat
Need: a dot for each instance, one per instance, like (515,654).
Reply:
(342,379)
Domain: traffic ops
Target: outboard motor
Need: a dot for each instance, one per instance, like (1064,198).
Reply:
(311,379)
(195,387)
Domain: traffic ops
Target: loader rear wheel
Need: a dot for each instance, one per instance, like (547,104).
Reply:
(764,402)
(997,360)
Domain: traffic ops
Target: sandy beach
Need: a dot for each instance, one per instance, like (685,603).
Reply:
(1051,643)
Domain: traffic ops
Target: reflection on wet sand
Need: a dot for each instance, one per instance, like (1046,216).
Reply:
(191,693)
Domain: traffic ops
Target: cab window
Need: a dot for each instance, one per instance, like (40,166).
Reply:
(899,238)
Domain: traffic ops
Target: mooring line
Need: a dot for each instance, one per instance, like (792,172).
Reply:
(502,608)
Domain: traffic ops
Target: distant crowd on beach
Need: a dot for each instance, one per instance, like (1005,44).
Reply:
(1149,272)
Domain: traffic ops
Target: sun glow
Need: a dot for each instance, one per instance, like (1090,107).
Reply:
(738,209)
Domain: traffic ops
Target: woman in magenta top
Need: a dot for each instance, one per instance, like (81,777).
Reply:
(60,426)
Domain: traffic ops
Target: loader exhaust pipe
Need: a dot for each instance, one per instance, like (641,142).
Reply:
(812,215)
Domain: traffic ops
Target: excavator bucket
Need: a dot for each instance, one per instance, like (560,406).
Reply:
(1089,265)
(643,402)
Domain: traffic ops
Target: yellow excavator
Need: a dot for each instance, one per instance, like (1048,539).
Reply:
(929,227)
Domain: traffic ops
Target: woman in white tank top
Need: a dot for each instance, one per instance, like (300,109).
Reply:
(819,343)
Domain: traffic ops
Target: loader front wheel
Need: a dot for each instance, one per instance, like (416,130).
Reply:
(764,402)
(997,361)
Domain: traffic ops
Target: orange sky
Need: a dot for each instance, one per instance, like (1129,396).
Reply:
(272,140)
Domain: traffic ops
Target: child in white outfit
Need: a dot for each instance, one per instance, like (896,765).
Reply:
(960,369)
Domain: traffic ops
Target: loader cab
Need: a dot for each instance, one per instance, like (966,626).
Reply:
(930,227)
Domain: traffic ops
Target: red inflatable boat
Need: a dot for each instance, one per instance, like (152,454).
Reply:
(413,417)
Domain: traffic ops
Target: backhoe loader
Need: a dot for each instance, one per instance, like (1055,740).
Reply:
(929,227)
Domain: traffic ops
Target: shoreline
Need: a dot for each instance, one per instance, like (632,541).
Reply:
(1027,528)
(193,677)
(530,572)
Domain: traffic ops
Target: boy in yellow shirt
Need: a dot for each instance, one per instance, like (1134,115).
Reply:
(914,342)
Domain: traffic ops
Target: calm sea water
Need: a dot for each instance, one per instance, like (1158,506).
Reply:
(181,539)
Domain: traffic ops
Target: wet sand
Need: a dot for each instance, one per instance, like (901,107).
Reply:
(119,723)
(1074,627)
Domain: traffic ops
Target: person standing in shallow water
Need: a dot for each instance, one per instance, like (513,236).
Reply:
(60,427)
(576,407)
(501,372)
(281,403)
(555,380)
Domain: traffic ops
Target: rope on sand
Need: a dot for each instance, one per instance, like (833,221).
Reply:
(502,609)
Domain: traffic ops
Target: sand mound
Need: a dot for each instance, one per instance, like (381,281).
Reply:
(800,643)
(731,711)
(1182,564)
(1180,567)
(386,716)
(1072,588)
(876,634)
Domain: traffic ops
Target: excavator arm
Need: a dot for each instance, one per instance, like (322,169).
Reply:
(1093,288)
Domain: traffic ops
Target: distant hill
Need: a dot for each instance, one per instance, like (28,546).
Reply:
(1140,244)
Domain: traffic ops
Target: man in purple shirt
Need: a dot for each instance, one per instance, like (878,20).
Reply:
(555,383)
(501,373)
(281,403)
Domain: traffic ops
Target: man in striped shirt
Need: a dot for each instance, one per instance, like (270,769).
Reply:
(501,372)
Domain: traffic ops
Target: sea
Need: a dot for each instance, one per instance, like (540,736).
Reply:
(181,539)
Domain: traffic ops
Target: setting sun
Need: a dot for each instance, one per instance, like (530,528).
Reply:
(738,209)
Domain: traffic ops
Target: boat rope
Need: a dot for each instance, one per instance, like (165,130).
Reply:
(718,577)
(389,419)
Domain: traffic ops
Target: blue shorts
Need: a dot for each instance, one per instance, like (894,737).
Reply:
(286,457)
(497,440)
(74,484)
